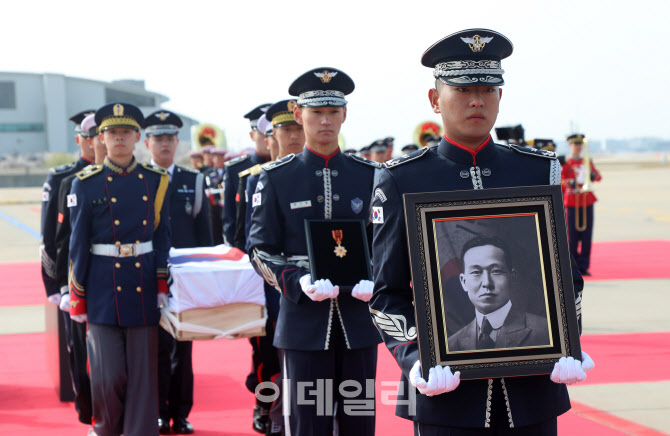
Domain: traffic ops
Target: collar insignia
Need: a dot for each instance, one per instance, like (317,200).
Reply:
(326,76)
(477,43)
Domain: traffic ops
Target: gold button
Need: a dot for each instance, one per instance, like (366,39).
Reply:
(144,222)
(137,265)
(109,179)
(139,289)
(118,288)
(117,243)
(118,265)
(116,222)
(144,197)
(137,242)
(113,199)
(141,176)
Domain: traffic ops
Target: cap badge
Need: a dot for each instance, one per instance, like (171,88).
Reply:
(477,43)
(118,110)
(162,116)
(326,76)
(291,104)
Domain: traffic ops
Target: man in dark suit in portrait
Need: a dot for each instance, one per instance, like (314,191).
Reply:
(488,277)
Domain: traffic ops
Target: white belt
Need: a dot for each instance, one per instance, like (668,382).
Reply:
(124,250)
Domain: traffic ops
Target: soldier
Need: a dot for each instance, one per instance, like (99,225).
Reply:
(409,148)
(196,159)
(467,96)
(81,381)
(324,334)
(207,158)
(579,202)
(378,151)
(49,220)
(119,214)
(389,141)
(365,152)
(239,164)
(189,219)
(214,180)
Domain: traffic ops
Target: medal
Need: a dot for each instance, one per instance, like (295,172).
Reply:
(188,208)
(339,251)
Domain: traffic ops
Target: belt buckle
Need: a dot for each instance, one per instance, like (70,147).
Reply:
(126,250)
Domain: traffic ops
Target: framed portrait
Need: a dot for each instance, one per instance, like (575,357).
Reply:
(492,280)
(338,250)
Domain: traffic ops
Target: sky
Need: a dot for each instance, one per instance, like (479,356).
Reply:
(597,67)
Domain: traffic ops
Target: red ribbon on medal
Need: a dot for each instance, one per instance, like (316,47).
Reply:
(339,251)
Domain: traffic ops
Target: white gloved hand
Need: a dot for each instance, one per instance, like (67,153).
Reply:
(363,290)
(80,318)
(162,300)
(440,380)
(570,370)
(321,290)
(54,298)
(65,302)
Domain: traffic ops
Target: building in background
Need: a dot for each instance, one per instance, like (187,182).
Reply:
(34,109)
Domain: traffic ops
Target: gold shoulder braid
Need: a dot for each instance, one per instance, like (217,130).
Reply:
(89,171)
(160,196)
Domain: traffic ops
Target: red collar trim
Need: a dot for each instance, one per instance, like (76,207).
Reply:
(468,149)
(326,158)
(89,161)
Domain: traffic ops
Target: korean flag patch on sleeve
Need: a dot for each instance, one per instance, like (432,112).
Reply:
(378,215)
(71,200)
(256,200)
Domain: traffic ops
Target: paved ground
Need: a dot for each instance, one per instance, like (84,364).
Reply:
(634,205)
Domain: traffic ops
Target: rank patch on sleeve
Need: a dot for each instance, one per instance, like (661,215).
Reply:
(71,200)
(378,215)
(256,200)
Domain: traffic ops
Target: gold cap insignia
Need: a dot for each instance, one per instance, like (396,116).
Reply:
(162,115)
(477,43)
(291,104)
(326,76)
(118,110)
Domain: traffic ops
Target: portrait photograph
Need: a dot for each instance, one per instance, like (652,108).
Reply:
(492,280)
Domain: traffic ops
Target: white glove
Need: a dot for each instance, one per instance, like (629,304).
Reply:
(65,302)
(54,298)
(363,290)
(162,300)
(321,290)
(440,380)
(569,370)
(80,318)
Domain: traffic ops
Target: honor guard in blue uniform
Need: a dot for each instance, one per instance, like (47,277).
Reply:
(235,166)
(214,180)
(326,336)
(190,227)
(468,73)
(119,214)
(81,381)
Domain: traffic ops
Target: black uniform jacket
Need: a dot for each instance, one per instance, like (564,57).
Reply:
(231,181)
(49,221)
(189,209)
(295,188)
(443,168)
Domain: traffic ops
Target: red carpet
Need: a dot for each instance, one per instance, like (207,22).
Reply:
(29,406)
(627,260)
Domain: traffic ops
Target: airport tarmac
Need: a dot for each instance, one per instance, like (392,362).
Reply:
(634,205)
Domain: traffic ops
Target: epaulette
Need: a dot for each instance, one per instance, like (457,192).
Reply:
(530,151)
(187,170)
(89,171)
(62,168)
(276,164)
(155,168)
(365,161)
(254,170)
(236,160)
(406,158)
